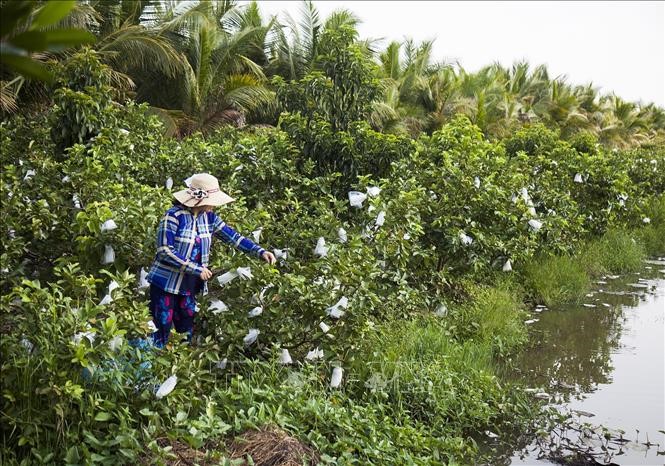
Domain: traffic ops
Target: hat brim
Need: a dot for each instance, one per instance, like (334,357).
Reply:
(215,199)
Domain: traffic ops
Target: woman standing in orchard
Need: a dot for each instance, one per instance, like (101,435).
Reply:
(180,269)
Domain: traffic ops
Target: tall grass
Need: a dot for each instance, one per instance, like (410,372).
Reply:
(557,279)
(615,252)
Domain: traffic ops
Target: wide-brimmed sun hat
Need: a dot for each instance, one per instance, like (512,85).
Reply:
(203,189)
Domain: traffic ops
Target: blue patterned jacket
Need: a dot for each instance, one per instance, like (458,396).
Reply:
(175,242)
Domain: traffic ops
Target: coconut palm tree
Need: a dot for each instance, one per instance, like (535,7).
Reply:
(220,83)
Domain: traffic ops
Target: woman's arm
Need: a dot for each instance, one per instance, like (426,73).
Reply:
(228,235)
(166,252)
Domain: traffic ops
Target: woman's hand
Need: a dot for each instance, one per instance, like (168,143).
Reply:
(205,274)
(269,257)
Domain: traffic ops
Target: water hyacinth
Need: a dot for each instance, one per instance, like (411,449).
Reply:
(217,306)
(169,183)
(321,250)
(381,218)
(336,378)
(464,238)
(535,224)
(257,311)
(316,353)
(143,282)
(507,266)
(578,178)
(251,336)
(341,234)
(356,198)
(109,255)
(373,191)
(324,328)
(285,357)
(167,387)
(108,225)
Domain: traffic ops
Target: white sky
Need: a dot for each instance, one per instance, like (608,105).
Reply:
(618,46)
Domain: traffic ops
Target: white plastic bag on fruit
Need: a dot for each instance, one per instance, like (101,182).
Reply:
(578,178)
(113,286)
(507,266)
(535,224)
(476,182)
(356,198)
(257,311)
(29,174)
(115,343)
(227,277)
(167,387)
(336,311)
(321,250)
(106,300)
(316,353)
(646,220)
(80,335)
(217,306)
(280,253)
(341,234)
(324,328)
(109,255)
(108,225)
(465,239)
(169,183)
(441,310)
(151,326)
(76,201)
(221,365)
(143,282)
(285,357)
(245,273)
(381,218)
(256,234)
(251,336)
(336,379)
(373,191)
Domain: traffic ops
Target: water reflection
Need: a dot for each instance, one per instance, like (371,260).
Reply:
(602,358)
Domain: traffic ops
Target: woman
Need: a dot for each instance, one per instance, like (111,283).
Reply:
(180,269)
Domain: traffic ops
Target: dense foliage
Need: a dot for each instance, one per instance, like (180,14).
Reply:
(205,64)
(443,216)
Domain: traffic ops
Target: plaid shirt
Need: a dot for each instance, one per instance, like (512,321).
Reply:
(175,242)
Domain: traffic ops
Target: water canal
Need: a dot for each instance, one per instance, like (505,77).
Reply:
(602,361)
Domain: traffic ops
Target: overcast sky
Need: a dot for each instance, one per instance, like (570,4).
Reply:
(619,46)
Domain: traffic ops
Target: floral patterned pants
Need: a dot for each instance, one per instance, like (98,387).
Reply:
(169,310)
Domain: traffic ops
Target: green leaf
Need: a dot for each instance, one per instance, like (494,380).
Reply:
(59,39)
(30,40)
(52,12)
(102,417)
(27,67)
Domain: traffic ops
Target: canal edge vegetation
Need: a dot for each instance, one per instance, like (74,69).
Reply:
(430,306)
